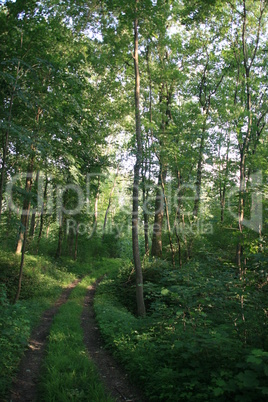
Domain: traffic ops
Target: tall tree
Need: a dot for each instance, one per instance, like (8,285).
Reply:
(135,193)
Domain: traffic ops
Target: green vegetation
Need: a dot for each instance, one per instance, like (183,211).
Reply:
(42,285)
(133,142)
(205,335)
(69,374)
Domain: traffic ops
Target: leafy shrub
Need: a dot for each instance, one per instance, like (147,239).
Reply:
(204,336)
(14,333)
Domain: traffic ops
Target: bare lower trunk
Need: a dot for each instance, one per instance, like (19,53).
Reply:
(177,218)
(135,237)
(42,214)
(146,224)
(26,206)
(241,213)
(145,192)
(48,229)
(96,203)
(60,239)
(109,202)
(168,223)
(199,175)
(33,219)
(145,214)
(156,250)
(3,169)
(21,246)
(76,243)
(22,261)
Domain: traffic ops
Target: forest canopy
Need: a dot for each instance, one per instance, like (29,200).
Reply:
(138,130)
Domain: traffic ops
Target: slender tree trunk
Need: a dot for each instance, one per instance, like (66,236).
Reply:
(109,202)
(3,170)
(168,223)
(48,229)
(60,238)
(241,210)
(145,193)
(76,242)
(145,214)
(96,203)
(199,173)
(156,250)
(21,246)
(159,206)
(135,237)
(177,217)
(26,206)
(244,147)
(22,259)
(33,219)
(42,214)
(223,177)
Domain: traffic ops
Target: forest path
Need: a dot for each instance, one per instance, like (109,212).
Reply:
(24,387)
(112,375)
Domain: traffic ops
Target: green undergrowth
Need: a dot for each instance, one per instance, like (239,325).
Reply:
(43,282)
(68,373)
(204,337)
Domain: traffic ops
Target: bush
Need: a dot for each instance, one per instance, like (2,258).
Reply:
(199,341)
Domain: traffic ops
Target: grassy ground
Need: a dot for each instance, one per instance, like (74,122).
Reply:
(68,373)
(43,281)
(204,337)
(42,284)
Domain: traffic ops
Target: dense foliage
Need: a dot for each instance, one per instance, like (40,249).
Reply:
(137,130)
(205,335)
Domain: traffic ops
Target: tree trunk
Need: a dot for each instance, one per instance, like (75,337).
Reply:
(21,246)
(168,223)
(60,238)
(48,229)
(109,203)
(3,170)
(76,242)
(177,217)
(135,237)
(145,214)
(33,225)
(145,193)
(22,260)
(156,250)
(42,214)
(26,206)
(159,205)
(96,203)
(244,147)
(199,174)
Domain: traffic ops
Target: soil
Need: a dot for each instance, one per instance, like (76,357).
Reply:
(115,380)
(24,387)
(113,376)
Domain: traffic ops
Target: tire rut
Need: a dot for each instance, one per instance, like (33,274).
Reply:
(113,376)
(24,386)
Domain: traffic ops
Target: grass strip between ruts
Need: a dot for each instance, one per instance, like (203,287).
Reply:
(68,374)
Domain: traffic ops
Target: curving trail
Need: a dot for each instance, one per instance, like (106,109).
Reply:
(113,376)
(115,380)
(24,387)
